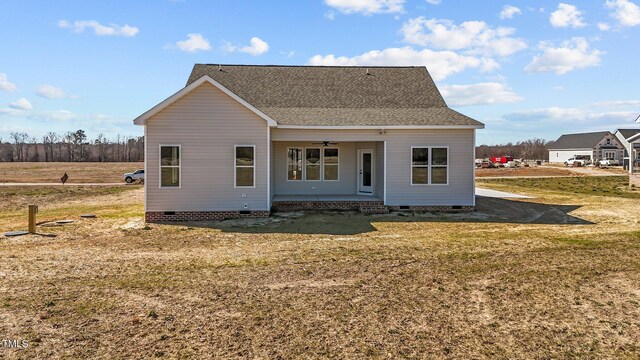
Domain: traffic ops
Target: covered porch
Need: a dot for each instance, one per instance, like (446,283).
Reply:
(327,172)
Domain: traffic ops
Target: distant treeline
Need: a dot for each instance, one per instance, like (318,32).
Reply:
(69,147)
(534,149)
(74,146)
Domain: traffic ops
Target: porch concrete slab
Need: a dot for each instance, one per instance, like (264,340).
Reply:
(499,194)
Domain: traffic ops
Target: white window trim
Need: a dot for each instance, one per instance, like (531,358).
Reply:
(429,165)
(235,166)
(304,163)
(613,152)
(160,166)
(337,164)
(286,175)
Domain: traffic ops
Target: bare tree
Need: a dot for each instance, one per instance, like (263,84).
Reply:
(71,148)
(48,141)
(533,149)
(33,144)
(101,142)
(19,139)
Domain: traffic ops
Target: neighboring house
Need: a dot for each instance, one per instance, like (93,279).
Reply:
(597,145)
(238,140)
(623,136)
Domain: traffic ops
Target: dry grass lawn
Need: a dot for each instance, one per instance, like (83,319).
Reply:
(89,172)
(524,171)
(553,277)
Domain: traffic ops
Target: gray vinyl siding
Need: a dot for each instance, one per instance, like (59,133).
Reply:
(399,191)
(347,183)
(379,175)
(460,187)
(206,123)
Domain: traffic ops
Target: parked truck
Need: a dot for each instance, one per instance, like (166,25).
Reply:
(578,160)
(501,159)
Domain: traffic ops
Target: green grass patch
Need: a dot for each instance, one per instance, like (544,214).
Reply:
(614,186)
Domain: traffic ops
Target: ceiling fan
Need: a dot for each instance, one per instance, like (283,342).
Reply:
(325,143)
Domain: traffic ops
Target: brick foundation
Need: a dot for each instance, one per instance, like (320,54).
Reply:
(634,179)
(166,216)
(323,205)
(433,208)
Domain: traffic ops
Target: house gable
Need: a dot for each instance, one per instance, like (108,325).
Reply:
(579,141)
(142,119)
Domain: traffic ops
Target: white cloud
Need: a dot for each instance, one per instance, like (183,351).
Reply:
(99,29)
(509,11)
(367,7)
(21,104)
(567,15)
(604,26)
(330,15)
(617,103)
(578,115)
(441,64)
(434,2)
(257,47)
(10,112)
(194,43)
(5,84)
(475,37)
(571,55)
(626,12)
(478,94)
(52,92)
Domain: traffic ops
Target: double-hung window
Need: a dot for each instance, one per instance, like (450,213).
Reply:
(294,164)
(331,164)
(429,165)
(312,164)
(169,166)
(245,166)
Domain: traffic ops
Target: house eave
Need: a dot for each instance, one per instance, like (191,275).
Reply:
(381,127)
(572,149)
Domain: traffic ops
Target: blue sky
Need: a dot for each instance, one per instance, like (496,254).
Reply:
(524,68)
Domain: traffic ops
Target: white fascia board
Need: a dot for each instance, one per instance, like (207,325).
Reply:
(142,119)
(384,127)
(634,138)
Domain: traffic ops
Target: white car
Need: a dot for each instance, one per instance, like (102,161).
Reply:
(574,162)
(136,175)
(609,162)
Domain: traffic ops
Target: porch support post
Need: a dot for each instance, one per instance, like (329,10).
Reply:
(630,157)
(384,186)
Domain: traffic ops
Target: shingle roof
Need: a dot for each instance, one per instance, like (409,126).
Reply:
(627,133)
(337,95)
(578,141)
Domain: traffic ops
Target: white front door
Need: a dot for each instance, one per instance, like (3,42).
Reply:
(365,171)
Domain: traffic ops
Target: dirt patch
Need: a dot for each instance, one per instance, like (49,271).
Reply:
(310,283)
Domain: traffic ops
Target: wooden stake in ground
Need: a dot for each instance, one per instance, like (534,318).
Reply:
(33,210)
